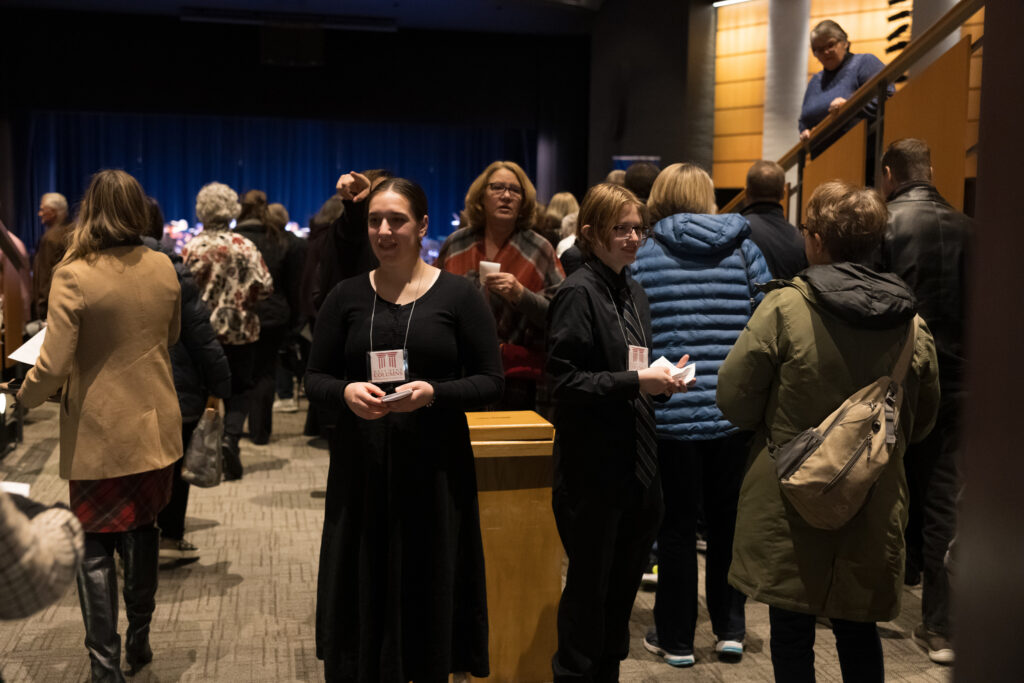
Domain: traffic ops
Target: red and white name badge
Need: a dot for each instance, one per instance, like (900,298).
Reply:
(387,366)
(638,357)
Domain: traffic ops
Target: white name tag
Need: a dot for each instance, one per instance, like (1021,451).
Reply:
(387,366)
(637,357)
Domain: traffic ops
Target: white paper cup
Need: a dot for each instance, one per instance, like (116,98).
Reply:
(488,267)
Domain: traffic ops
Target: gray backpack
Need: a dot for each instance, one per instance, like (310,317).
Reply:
(827,471)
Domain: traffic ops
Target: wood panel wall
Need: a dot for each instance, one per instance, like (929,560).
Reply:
(740,57)
(940,91)
(975,28)
(843,160)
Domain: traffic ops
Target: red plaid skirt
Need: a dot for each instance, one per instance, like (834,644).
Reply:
(121,503)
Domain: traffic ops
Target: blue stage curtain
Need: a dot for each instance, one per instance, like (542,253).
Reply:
(296,162)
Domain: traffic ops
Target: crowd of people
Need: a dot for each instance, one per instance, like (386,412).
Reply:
(561,309)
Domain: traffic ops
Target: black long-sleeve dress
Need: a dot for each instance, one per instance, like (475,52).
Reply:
(401,593)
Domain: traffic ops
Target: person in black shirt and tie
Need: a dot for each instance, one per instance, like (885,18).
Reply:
(607,491)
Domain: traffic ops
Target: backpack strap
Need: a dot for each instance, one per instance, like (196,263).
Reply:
(907,354)
(899,373)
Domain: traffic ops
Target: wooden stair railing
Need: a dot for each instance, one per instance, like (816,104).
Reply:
(876,87)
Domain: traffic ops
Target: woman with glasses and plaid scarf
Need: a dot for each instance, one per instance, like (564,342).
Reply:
(499,216)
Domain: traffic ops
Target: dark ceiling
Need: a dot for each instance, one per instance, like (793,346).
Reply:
(504,16)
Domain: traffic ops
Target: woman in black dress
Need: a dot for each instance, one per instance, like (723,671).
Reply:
(401,593)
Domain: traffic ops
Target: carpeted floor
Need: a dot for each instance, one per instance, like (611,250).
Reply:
(244,611)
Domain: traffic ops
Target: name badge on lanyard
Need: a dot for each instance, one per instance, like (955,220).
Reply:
(638,357)
(387,366)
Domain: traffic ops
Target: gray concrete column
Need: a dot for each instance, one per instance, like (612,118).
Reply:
(785,77)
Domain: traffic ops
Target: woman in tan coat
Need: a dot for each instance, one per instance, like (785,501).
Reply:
(114,309)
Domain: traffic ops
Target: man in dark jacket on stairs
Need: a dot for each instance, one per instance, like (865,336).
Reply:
(774,235)
(926,245)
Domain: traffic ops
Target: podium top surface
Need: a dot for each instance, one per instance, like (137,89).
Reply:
(508,425)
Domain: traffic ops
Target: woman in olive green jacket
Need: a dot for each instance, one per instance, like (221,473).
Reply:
(811,343)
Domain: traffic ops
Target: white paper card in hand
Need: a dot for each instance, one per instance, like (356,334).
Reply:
(397,396)
(688,372)
(14,487)
(29,351)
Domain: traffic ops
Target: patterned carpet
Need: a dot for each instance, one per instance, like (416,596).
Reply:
(244,610)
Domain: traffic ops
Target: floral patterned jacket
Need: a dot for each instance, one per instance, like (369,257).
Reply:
(232,277)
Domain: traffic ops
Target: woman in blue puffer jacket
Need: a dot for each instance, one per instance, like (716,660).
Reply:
(700,272)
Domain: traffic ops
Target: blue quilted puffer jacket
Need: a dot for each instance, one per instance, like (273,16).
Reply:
(699,272)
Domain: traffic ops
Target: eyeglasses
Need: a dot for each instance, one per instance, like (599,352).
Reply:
(642,231)
(500,188)
(827,47)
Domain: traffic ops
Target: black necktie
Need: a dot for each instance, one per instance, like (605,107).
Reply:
(646,445)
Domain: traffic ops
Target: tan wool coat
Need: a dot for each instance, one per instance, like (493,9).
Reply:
(111,319)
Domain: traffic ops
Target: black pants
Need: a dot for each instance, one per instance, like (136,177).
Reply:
(932,478)
(284,381)
(688,469)
(261,395)
(240,359)
(171,519)
(291,364)
(607,539)
(792,645)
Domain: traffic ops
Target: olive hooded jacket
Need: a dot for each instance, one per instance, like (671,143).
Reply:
(811,343)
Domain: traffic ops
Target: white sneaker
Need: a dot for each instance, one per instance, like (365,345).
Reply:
(650,577)
(938,647)
(729,650)
(286,405)
(172,549)
(678,660)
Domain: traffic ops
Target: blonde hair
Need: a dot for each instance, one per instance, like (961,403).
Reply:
(562,204)
(681,188)
(474,214)
(601,208)
(850,219)
(216,206)
(113,211)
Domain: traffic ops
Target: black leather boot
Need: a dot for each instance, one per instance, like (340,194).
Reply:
(231,453)
(97,594)
(140,549)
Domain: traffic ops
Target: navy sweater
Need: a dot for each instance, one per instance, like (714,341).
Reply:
(825,86)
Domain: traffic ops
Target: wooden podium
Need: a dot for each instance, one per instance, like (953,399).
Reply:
(522,551)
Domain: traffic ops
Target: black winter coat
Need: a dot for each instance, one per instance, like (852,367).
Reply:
(926,245)
(778,240)
(593,388)
(285,258)
(346,250)
(197,359)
